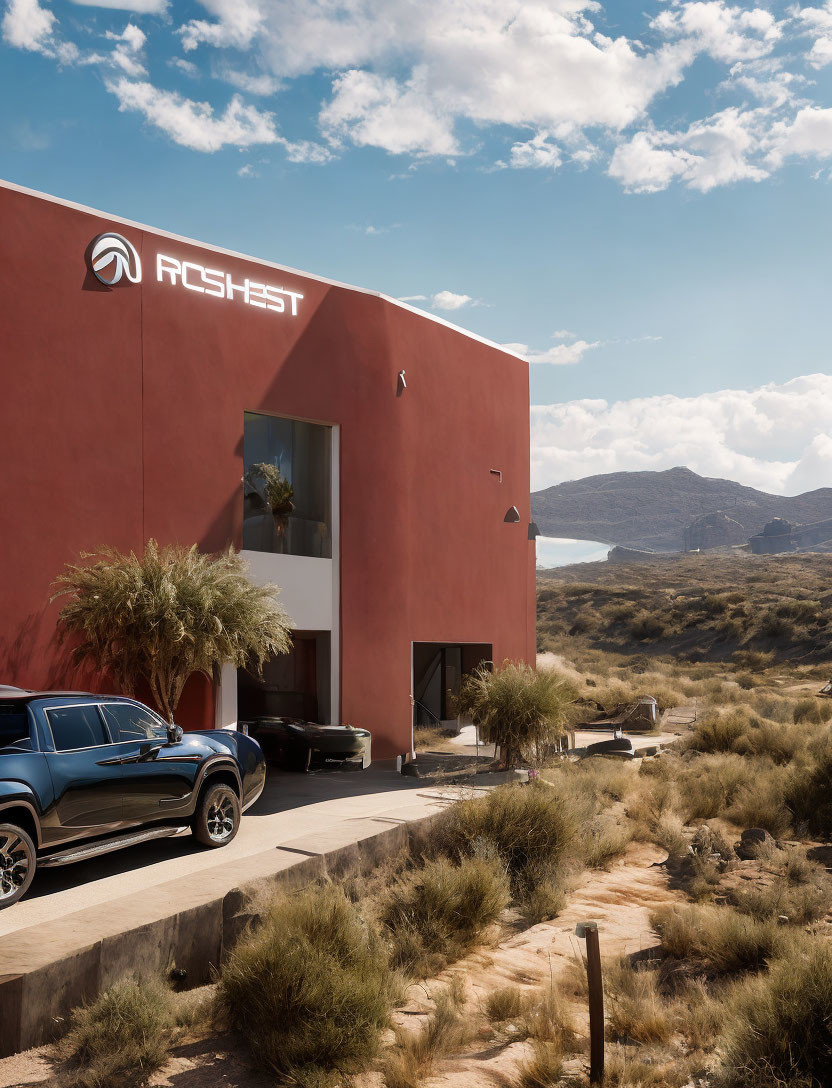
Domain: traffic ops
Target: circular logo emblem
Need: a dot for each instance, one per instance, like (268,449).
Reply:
(112,257)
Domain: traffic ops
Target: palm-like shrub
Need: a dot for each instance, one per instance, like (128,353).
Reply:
(164,615)
(517,707)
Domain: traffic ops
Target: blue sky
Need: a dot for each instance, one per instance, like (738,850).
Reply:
(634,195)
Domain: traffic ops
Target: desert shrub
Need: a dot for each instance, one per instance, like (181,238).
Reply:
(437,913)
(801,611)
(753,659)
(814,711)
(800,890)
(778,1031)
(717,940)
(416,1052)
(309,990)
(741,730)
(719,730)
(776,740)
(669,832)
(771,625)
(543,1068)
(506,1003)
(714,605)
(626,1070)
(647,627)
(808,791)
(620,613)
(603,840)
(635,1009)
(517,707)
(708,786)
(122,1037)
(531,830)
(547,1018)
(586,620)
(700,1014)
(762,803)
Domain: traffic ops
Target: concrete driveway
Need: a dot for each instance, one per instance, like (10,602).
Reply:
(292,806)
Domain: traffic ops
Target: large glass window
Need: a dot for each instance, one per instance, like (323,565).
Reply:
(76,727)
(287,486)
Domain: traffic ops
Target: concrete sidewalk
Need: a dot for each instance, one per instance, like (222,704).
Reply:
(172,902)
(292,805)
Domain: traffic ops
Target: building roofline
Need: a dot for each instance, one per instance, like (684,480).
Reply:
(256,260)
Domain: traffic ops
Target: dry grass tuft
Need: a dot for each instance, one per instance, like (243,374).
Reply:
(437,913)
(717,940)
(416,1052)
(777,1028)
(636,1012)
(122,1038)
(310,989)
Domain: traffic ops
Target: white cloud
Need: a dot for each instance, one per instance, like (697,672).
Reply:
(716,151)
(186,66)
(776,438)
(306,151)
(818,22)
(725,31)
(376,111)
(538,153)
(27,25)
(808,135)
(237,23)
(195,124)
(130,44)
(559,355)
(252,83)
(448,300)
(140,7)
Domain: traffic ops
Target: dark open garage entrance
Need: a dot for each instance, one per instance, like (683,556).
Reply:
(438,669)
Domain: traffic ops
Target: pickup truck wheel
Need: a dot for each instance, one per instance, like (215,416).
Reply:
(217,820)
(17,863)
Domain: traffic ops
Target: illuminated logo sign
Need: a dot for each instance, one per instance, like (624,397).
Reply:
(211,281)
(112,257)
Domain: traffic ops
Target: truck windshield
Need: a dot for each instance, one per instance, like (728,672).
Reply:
(14,728)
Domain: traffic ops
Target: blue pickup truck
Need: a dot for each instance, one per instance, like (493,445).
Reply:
(81,775)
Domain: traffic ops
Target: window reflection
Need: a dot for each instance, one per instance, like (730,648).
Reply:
(287,486)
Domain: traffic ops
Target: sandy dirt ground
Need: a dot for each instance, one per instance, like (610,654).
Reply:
(620,900)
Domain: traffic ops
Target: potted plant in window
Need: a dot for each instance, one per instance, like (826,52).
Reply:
(277,491)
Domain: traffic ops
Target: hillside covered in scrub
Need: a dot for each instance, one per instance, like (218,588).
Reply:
(653,509)
(745,609)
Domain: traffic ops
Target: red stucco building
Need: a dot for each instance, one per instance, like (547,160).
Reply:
(138,409)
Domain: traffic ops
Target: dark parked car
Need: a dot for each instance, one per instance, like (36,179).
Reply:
(302,746)
(81,775)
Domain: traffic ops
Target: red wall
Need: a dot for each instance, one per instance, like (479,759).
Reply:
(121,418)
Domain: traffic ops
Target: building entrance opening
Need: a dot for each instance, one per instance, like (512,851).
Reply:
(438,669)
(293,685)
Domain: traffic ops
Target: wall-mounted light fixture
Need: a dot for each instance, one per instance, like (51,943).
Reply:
(401,384)
(512,515)
(534,532)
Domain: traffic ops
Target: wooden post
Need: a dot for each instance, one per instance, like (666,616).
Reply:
(589,932)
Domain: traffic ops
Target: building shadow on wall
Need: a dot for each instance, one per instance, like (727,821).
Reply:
(23,654)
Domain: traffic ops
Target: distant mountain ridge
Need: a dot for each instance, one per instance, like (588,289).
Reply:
(653,509)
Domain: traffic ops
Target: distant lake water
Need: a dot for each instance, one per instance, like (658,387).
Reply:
(556,551)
